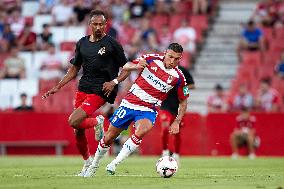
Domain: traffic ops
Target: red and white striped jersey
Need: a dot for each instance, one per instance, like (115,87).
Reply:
(153,84)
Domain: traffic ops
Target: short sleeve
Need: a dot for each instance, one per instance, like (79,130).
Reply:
(187,75)
(77,59)
(119,55)
(182,89)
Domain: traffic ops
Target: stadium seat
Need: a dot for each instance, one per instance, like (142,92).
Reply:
(175,21)
(268,34)
(30,8)
(65,57)
(39,20)
(9,86)
(71,87)
(74,33)
(279,33)
(6,101)
(41,105)
(67,46)
(29,86)
(157,22)
(3,57)
(253,58)
(45,85)
(59,34)
(28,60)
(38,58)
(199,21)
(276,45)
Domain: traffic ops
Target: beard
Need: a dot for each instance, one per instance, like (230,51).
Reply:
(98,34)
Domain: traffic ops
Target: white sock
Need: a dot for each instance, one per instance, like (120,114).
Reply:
(101,151)
(128,147)
(89,160)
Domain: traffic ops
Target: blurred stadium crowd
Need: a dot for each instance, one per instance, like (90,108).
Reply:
(258,84)
(37,39)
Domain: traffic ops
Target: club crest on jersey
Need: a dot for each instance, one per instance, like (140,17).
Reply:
(102,51)
(170,79)
(154,68)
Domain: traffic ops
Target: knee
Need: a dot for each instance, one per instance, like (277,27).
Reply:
(108,140)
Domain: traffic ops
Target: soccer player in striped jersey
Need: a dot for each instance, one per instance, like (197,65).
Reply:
(159,74)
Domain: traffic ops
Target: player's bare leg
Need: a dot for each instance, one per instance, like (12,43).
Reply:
(251,145)
(234,144)
(79,121)
(143,126)
(102,149)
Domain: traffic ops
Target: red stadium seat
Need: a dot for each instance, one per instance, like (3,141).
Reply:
(45,85)
(157,21)
(279,33)
(62,102)
(276,45)
(268,34)
(253,58)
(175,21)
(199,21)
(67,46)
(42,105)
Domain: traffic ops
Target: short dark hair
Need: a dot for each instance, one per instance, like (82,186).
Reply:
(250,23)
(23,95)
(176,47)
(218,87)
(98,13)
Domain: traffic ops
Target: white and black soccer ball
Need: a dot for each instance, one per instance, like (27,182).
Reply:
(166,166)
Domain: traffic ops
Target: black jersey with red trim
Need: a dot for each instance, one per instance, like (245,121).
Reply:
(171,103)
(100,61)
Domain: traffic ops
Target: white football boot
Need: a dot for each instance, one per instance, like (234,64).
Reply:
(86,165)
(110,168)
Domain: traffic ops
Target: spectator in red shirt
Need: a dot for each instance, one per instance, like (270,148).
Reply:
(217,101)
(27,39)
(268,99)
(242,99)
(244,134)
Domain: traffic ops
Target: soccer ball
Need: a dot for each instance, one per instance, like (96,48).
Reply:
(166,166)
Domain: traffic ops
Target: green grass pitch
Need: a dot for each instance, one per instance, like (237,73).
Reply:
(136,172)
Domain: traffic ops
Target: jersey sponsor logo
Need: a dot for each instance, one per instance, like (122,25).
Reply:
(102,51)
(88,104)
(157,82)
(185,90)
(154,68)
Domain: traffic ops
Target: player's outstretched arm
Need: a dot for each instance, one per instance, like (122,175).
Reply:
(131,66)
(108,86)
(71,74)
(174,128)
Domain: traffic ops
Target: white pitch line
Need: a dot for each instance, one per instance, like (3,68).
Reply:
(128,175)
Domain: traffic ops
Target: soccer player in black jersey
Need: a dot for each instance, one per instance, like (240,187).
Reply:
(100,56)
(167,114)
